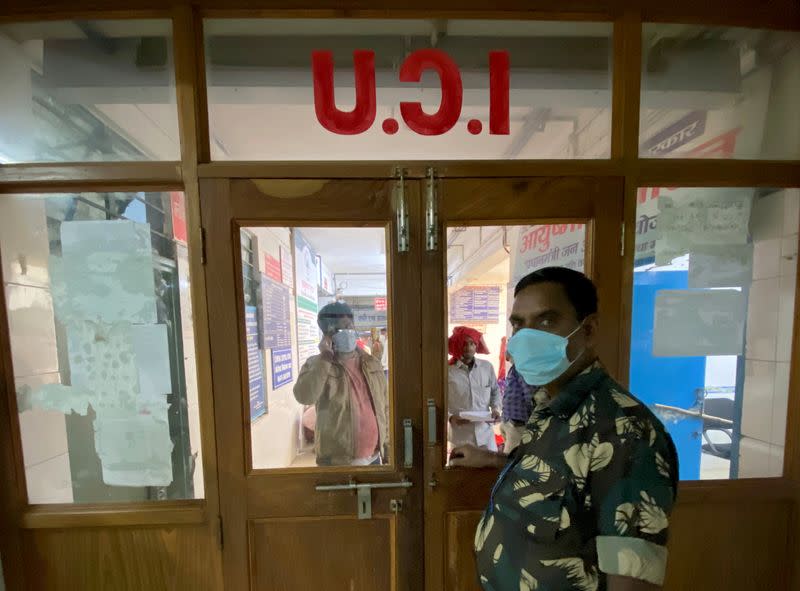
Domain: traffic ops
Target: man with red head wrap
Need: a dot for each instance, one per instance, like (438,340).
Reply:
(472,388)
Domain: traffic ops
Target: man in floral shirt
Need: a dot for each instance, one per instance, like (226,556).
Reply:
(583,503)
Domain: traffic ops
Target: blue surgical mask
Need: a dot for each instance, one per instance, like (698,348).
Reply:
(344,341)
(540,357)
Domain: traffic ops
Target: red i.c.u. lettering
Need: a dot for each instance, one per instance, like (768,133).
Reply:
(362,116)
(333,119)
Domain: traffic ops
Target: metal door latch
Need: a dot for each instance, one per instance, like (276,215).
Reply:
(364,493)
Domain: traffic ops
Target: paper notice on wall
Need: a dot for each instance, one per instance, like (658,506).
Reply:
(287,272)
(151,353)
(306,279)
(691,323)
(475,304)
(307,276)
(721,266)
(105,273)
(646,227)
(135,450)
(694,218)
(306,350)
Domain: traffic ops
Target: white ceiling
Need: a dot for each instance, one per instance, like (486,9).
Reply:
(349,250)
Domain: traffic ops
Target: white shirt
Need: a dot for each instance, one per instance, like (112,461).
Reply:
(385,355)
(474,390)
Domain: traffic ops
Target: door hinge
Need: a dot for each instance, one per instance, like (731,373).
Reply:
(431,213)
(622,241)
(202,246)
(220,534)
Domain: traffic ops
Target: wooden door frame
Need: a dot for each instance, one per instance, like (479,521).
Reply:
(228,205)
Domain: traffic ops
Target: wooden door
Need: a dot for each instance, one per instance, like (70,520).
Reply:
(591,208)
(280,532)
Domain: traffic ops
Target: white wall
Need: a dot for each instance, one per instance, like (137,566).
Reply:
(774,227)
(16,116)
(190,369)
(26,249)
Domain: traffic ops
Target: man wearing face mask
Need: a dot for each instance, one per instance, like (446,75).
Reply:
(348,388)
(583,503)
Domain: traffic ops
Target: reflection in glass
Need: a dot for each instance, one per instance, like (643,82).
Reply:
(716,92)
(713,308)
(102,345)
(315,304)
(81,91)
(488,405)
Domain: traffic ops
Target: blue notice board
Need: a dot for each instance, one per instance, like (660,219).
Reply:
(281,367)
(255,366)
(276,314)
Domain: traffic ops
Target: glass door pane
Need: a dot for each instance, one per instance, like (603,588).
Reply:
(484,263)
(316,322)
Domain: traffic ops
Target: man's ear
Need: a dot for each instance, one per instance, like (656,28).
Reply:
(591,328)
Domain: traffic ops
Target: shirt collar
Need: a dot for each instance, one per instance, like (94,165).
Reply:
(575,391)
(463,365)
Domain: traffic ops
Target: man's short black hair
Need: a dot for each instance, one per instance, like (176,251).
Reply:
(580,290)
(329,315)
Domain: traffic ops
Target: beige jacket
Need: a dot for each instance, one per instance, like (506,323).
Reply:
(325,384)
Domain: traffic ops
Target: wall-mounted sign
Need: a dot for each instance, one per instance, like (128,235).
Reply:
(305,297)
(362,116)
(281,367)
(536,247)
(286,267)
(475,304)
(276,314)
(380,304)
(676,135)
(255,366)
(272,268)
(178,208)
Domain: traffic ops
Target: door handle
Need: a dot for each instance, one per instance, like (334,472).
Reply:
(432,422)
(408,444)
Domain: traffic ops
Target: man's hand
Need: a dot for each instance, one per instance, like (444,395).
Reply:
(455,420)
(469,456)
(326,346)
